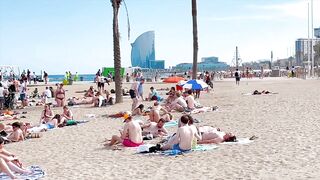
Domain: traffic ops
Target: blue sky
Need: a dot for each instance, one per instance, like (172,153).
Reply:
(76,35)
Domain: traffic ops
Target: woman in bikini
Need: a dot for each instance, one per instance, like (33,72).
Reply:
(60,96)
(47,114)
(67,114)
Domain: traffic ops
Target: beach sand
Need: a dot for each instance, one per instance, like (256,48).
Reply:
(287,125)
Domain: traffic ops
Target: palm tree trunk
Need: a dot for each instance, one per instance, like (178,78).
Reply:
(195,39)
(116,51)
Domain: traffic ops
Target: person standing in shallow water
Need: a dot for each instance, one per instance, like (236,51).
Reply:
(237,76)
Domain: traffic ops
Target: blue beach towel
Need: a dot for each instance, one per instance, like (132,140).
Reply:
(171,124)
(37,174)
(197,148)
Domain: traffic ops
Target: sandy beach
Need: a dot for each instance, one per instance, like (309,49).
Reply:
(286,124)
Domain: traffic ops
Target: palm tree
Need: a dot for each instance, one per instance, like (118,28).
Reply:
(116,48)
(195,39)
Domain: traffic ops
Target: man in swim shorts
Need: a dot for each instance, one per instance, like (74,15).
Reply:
(131,136)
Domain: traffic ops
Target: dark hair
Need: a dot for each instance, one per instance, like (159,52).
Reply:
(173,88)
(231,139)
(1,140)
(152,87)
(58,117)
(190,119)
(189,91)
(16,124)
(161,120)
(184,119)
(141,106)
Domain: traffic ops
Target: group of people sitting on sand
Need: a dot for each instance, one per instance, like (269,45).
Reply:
(19,131)
(185,138)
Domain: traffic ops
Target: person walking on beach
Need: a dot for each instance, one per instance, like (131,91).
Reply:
(140,89)
(237,76)
(134,94)
(45,77)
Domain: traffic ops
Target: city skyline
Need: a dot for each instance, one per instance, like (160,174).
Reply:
(78,33)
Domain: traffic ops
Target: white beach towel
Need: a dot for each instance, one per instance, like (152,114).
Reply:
(239,141)
(37,174)
(90,115)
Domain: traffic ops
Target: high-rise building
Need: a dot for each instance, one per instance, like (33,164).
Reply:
(302,49)
(317,32)
(143,52)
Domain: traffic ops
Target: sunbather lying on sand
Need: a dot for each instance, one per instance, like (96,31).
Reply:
(214,135)
(256,92)
(9,163)
(131,136)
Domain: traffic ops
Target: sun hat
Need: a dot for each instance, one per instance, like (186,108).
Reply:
(126,115)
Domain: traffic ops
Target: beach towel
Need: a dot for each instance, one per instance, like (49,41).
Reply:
(37,174)
(239,141)
(203,147)
(90,115)
(204,109)
(171,124)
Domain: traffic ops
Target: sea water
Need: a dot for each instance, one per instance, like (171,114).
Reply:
(81,77)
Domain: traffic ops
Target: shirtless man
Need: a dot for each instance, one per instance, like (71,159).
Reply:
(156,129)
(131,136)
(214,135)
(179,104)
(134,94)
(17,134)
(190,100)
(158,112)
(184,136)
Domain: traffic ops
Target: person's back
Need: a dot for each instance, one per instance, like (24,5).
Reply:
(185,137)
(135,131)
(181,102)
(48,93)
(190,101)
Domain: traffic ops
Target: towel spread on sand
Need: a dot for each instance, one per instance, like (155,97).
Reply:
(203,147)
(90,115)
(204,109)
(240,141)
(37,174)
(171,124)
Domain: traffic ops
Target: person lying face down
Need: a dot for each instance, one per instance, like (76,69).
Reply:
(214,135)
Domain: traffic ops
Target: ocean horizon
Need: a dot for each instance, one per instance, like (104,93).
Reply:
(81,77)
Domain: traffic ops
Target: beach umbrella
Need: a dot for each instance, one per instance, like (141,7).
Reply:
(173,79)
(195,84)
(181,82)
